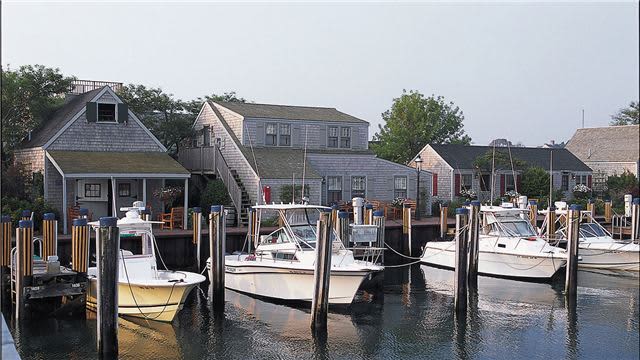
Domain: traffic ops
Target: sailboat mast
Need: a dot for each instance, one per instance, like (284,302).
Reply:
(493,176)
(551,179)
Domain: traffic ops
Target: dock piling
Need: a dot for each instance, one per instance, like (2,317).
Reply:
(196,224)
(406,227)
(443,220)
(343,227)
(24,264)
(252,231)
(80,246)
(107,248)
(551,222)
(474,245)
(26,215)
(5,259)
(49,235)
(368,214)
(460,285)
(591,208)
(378,220)
(635,220)
(321,275)
(573,233)
(217,239)
(533,213)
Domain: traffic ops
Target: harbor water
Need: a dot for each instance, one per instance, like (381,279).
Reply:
(409,315)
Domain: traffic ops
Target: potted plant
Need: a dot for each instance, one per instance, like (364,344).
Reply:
(168,195)
(581,191)
(469,194)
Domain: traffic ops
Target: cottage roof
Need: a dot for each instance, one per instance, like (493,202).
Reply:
(610,143)
(288,112)
(112,163)
(464,156)
(58,118)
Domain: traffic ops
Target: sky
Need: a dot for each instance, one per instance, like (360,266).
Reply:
(521,71)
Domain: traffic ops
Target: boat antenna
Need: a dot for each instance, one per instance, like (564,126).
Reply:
(513,170)
(551,178)
(293,188)
(493,168)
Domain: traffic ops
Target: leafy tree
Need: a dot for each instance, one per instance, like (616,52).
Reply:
(619,185)
(501,160)
(415,121)
(535,183)
(194,106)
(29,94)
(627,116)
(286,192)
(166,117)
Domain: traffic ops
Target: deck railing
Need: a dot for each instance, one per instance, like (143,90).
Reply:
(83,86)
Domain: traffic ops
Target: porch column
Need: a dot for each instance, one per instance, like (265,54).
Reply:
(144,191)
(186,203)
(64,204)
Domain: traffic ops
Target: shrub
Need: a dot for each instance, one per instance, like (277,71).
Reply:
(535,183)
(13,207)
(215,193)
(286,193)
(619,185)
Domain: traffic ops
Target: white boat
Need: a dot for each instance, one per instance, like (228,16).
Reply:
(598,249)
(282,266)
(143,290)
(508,247)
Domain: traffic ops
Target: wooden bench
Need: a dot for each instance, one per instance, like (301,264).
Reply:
(173,219)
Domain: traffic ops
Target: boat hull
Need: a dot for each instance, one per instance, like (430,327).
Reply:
(499,264)
(290,284)
(593,258)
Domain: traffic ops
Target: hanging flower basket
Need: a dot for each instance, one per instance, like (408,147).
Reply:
(168,194)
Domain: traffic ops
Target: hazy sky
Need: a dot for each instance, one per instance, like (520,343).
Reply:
(519,71)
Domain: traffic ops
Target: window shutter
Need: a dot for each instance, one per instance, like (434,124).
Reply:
(457,184)
(123,113)
(435,184)
(589,179)
(92,112)
(502,184)
(519,182)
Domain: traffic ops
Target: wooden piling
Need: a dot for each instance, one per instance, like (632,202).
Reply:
(24,264)
(5,259)
(334,218)
(591,208)
(368,214)
(460,285)
(343,227)
(217,239)
(533,213)
(635,219)
(443,221)
(406,228)
(608,213)
(551,222)
(474,244)
(321,275)
(196,225)
(107,253)
(49,235)
(573,231)
(252,229)
(80,246)
(379,221)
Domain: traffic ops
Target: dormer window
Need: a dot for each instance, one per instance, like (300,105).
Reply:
(106,112)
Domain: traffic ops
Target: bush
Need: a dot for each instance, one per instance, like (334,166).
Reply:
(215,193)
(535,183)
(285,193)
(619,185)
(13,207)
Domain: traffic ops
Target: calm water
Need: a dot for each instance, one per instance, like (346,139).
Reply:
(411,317)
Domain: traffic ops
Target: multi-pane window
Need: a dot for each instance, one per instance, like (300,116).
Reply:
(582,179)
(92,190)
(358,186)
(345,137)
(332,137)
(271,132)
(485,182)
(285,135)
(106,112)
(124,189)
(334,189)
(400,187)
(467,182)
(565,182)
(509,183)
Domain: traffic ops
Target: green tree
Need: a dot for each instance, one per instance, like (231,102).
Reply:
(29,94)
(501,160)
(415,121)
(627,116)
(194,106)
(535,183)
(166,117)
(619,185)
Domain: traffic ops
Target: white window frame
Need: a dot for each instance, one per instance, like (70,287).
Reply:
(340,137)
(280,135)
(115,109)
(337,137)
(266,126)
(365,185)
(463,185)
(340,184)
(397,189)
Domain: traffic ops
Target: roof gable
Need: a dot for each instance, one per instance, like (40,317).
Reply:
(610,143)
(288,112)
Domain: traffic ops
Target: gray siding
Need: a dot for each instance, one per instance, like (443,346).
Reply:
(31,159)
(315,188)
(233,120)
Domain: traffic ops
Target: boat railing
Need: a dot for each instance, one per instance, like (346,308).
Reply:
(369,255)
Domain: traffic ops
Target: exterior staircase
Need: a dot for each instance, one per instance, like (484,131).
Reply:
(245,202)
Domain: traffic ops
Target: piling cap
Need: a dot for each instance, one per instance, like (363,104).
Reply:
(378,213)
(84,211)
(575,207)
(108,221)
(326,210)
(475,203)
(467,203)
(49,216)
(23,224)
(334,207)
(368,206)
(79,222)
(5,218)
(636,201)
(533,202)
(146,211)
(252,210)
(216,208)
(197,209)
(590,201)
(26,213)
(343,215)
(462,211)
(405,205)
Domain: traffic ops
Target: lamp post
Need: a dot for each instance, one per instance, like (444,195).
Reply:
(418,162)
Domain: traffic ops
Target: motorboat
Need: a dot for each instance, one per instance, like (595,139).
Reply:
(144,291)
(508,247)
(597,248)
(282,265)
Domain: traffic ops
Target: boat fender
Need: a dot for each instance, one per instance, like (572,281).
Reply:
(250,258)
(532,238)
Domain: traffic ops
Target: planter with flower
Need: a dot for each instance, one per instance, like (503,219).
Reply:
(168,195)
(469,194)
(512,195)
(398,202)
(581,191)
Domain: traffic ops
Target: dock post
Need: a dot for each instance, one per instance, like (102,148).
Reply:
(196,225)
(321,275)
(378,220)
(368,214)
(460,285)
(334,218)
(24,264)
(474,245)
(253,228)
(217,238)
(145,214)
(608,214)
(49,236)
(107,248)
(443,220)
(533,213)
(635,220)
(80,246)
(5,259)
(83,213)
(551,222)
(573,234)
(343,227)
(26,215)
(406,227)
(591,208)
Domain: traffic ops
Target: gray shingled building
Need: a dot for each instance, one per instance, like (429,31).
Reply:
(95,153)
(257,149)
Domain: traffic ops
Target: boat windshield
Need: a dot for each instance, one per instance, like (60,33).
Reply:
(307,233)
(591,230)
(519,228)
